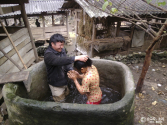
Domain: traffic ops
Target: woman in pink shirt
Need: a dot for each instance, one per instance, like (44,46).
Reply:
(90,81)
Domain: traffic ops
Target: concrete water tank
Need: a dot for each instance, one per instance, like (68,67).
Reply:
(25,107)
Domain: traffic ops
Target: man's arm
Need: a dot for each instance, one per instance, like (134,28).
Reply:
(52,59)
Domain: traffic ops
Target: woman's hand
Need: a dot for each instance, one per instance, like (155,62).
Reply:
(78,76)
(72,75)
(75,73)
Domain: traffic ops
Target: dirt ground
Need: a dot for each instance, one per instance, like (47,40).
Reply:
(151,103)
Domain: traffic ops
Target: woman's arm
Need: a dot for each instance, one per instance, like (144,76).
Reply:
(73,76)
(78,87)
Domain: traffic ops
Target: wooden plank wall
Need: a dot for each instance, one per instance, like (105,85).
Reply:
(22,42)
(49,31)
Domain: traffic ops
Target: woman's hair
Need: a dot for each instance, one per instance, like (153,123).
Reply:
(56,38)
(79,64)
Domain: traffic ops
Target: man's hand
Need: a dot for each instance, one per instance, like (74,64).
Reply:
(83,58)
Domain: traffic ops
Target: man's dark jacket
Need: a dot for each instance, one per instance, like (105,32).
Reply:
(57,65)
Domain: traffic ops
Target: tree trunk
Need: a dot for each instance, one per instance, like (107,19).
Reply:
(147,60)
(146,65)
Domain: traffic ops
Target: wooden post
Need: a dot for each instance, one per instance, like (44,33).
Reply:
(11,60)
(6,23)
(131,37)
(43,22)
(13,44)
(63,19)
(15,21)
(93,39)
(76,27)
(67,25)
(20,21)
(53,22)
(94,32)
(118,28)
(84,17)
(25,19)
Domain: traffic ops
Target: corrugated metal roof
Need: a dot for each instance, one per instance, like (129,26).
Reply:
(126,7)
(35,7)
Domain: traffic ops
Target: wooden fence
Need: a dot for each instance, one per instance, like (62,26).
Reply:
(22,42)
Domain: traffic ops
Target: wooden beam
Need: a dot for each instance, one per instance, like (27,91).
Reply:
(43,22)
(10,9)
(67,25)
(10,51)
(94,32)
(11,60)
(84,17)
(32,15)
(13,44)
(14,77)
(53,22)
(8,65)
(28,58)
(15,37)
(6,23)
(15,21)
(118,28)
(1,11)
(93,39)
(26,22)
(75,26)
(78,10)
(12,1)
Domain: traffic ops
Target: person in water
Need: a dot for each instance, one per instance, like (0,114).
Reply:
(90,81)
(57,65)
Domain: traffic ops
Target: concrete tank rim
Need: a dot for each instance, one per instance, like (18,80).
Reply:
(129,95)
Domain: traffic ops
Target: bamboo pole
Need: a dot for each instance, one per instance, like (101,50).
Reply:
(13,44)
(11,60)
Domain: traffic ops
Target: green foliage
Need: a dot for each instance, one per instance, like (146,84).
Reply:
(114,10)
(148,1)
(161,3)
(110,3)
(157,2)
(105,5)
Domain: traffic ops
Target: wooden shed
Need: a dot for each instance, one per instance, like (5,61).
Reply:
(17,49)
(100,31)
(42,10)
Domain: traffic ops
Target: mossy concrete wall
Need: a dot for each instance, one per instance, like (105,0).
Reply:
(37,87)
(24,111)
